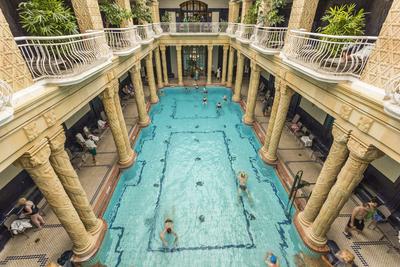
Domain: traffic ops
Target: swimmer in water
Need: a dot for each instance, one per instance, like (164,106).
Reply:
(271,260)
(225,98)
(243,177)
(205,90)
(219,105)
(204,100)
(168,229)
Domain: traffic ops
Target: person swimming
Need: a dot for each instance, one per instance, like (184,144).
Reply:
(205,90)
(168,229)
(204,100)
(219,105)
(225,98)
(271,260)
(243,177)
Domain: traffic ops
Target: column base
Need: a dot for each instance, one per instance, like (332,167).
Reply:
(98,227)
(160,85)
(155,100)
(81,257)
(304,233)
(180,83)
(229,84)
(127,163)
(247,121)
(145,123)
(303,222)
(236,98)
(264,156)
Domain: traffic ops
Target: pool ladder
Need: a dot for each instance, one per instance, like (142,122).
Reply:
(297,184)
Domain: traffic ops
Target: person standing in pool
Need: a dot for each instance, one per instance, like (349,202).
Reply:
(168,229)
(243,177)
(204,100)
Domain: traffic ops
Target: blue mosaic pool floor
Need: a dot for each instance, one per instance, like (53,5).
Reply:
(187,163)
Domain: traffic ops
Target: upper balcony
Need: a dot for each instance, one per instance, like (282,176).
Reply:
(328,58)
(194,28)
(65,59)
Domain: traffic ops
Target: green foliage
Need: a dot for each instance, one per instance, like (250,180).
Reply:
(166,17)
(343,20)
(195,18)
(272,17)
(252,14)
(114,14)
(141,13)
(47,18)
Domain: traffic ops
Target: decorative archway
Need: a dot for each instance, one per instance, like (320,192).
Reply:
(194,11)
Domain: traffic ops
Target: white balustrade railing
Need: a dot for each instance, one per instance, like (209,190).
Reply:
(63,56)
(245,32)
(232,28)
(269,38)
(145,33)
(122,39)
(157,29)
(329,54)
(194,27)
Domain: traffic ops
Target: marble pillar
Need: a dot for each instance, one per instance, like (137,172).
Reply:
(36,163)
(271,122)
(209,64)
(337,156)
(349,177)
(87,13)
(246,4)
(302,14)
(230,67)
(224,63)
(164,64)
(239,77)
(155,11)
(158,68)
(150,78)
(179,63)
(248,117)
(125,4)
(144,119)
(284,102)
(62,166)
(107,97)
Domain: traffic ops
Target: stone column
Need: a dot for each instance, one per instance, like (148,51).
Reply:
(284,102)
(302,14)
(248,117)
(230,67)
(239,76)
(158,68)
(164,64)
(225,63)
(122,123)
(235,12)
(36,163)
(349,177)
(231,6)
(333,164)
(151,79)
(155,11)
(264,9)
(246,4)
(107,97)
(87,13)
(14,70)
(264,150)
(70,181)
(125,4)
(144,119)
(179,62)
(209,64)
(383,63)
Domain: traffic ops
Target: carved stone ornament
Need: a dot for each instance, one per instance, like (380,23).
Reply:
(50,118)
(364,124)
(362,151)
(31,131)
(345,112)
(110,76)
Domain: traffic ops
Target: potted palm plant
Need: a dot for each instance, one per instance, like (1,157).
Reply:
(114,14)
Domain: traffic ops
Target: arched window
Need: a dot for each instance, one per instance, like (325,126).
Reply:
(194,11)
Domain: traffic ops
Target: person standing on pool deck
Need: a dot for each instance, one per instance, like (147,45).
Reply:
(356,221)
(91,146)
(243,177)
(168,229)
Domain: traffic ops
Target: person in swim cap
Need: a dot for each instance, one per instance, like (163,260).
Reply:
(243,177)
(168,229)
(271,260)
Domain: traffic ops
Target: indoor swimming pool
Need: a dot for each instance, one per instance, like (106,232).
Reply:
(188,160)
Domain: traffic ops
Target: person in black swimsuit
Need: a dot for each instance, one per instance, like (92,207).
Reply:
(31,210)
(242,177)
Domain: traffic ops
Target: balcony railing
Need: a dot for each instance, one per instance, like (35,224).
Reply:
(392,97)
(146,33)
(201,28)
(244,33)
(123,41)
(157,29)
(232,28)
(69,58)
(269,40)
(328,58)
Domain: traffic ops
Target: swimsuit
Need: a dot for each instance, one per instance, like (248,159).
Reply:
(168,221)
(358,223)
(243,187)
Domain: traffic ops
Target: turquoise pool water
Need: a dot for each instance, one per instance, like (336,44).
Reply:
(187,163)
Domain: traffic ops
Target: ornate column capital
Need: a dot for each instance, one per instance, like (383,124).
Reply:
(178,47)
(210,47)
(150,56)
(136,68)
(57,141)
(254,66)
(163,48)
(226,47)
(340,134)
(362,152)
(240,56)
(36,156)
(108,93)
